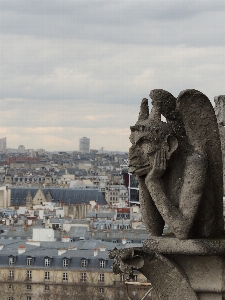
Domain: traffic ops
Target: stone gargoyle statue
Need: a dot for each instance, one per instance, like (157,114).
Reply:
(178,164)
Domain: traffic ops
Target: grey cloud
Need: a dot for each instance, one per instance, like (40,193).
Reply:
(70,66)
(99,73)
(100,11)
(121,22)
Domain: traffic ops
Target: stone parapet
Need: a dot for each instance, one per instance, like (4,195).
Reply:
(169,245)
(177,269)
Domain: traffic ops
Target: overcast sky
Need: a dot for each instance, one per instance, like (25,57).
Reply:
(74,68)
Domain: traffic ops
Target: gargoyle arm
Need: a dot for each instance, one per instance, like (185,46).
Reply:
(150,214)
(180,219)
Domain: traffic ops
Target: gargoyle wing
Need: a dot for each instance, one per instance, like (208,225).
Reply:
(201,128)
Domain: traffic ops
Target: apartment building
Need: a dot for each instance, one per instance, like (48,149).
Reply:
(60,271)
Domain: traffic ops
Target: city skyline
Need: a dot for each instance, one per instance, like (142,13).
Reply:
(81,68)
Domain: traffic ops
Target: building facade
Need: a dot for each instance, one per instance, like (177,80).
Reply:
(84,145)
(3,144)
(30,272)
(21,149)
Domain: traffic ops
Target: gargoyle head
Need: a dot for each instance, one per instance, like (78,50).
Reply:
(148,136)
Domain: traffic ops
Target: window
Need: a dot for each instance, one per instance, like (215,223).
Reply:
(10,286)
(65,276)
(122,277)
(28,297)
(11,274)
(65,262)
(101,290)
(10,298)
(102,264)
(28,287)
(11,260)
(135,278)
(47,262)
(29,274)
(47,276)
(83,277)
(101,277)
(47,288)
(29,261)
(83,263)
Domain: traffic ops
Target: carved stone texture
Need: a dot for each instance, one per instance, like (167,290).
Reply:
(220,109)
(178,165)
(220,114)
(167,278)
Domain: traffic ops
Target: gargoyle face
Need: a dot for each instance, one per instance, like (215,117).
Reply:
(141,156)
(146,140)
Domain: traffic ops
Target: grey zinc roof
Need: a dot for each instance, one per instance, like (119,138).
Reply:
(76,231)
(115,234)
(56,261)
(101,215)
(69,196)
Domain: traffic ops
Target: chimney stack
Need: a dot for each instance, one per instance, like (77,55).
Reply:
(95,251)
(21,249)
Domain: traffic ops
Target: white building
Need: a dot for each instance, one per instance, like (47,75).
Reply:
(40,151)
(3,144)
(84,145)
(43,235)
(21,149)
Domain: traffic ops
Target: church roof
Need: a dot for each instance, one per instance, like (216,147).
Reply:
(68,196)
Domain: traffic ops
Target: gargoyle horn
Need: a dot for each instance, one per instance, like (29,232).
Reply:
(144,110)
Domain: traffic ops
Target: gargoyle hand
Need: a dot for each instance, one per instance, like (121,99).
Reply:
(159,166)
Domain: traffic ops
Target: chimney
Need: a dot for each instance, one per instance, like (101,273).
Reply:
(1,247)
(21,249)
(95,251)
(65,239)
(102,248)
(61,251)
(124,241)
(72,248)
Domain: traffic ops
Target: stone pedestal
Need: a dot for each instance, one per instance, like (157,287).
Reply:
(185,269)
(177,269)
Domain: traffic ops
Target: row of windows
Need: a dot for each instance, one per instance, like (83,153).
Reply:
(27,298)
(114,198)
(47,263)
(47,288)
(64,276)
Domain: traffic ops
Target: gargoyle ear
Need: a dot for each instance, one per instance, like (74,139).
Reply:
(172,146)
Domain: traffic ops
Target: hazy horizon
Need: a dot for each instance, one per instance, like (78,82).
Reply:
(81,68)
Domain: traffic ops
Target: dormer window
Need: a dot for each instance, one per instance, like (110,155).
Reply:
(84,263)
(102,264)
(65,262)
(11,260)
(47,262)
(29,261)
